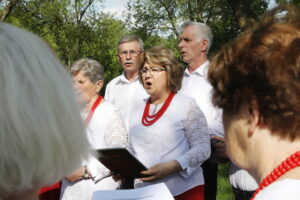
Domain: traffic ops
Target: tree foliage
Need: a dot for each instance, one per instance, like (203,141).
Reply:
(294,2)
(79,28)
(73,28)
(162,17)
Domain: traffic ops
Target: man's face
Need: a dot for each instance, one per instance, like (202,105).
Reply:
(189,44)
(130,56)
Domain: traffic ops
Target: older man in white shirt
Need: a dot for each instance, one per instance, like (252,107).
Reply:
(125,90)
(195,42)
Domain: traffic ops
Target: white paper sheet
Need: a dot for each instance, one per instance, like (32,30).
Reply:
(153,192)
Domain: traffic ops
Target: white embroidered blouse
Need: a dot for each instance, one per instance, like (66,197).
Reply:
(106,129)
(180,134)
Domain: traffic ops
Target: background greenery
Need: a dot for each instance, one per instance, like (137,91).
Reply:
(224,191)
(80,28)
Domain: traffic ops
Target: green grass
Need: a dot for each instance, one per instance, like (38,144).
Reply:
(224,191)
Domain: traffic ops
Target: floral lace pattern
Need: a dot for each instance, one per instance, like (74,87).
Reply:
(116,134)
(197,134)
(106,129)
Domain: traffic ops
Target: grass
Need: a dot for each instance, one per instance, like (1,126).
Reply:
(224,191)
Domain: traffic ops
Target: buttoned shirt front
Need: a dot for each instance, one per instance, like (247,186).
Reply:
(196,85)
(125,95)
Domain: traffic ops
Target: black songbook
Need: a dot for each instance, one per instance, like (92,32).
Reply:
(120,160)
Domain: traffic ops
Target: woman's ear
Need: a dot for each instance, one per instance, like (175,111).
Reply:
(253,117)
(99,85)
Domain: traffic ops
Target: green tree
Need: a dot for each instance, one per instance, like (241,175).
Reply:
(7,9)
(162,17)
(294,2)
(74,29)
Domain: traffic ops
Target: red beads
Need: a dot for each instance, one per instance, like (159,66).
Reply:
(147,119)
(288,164)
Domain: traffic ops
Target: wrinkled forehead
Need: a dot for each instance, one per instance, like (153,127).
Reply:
(129,46)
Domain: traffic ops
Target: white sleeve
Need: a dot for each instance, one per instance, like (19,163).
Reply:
(115,136)
(107,94)
(197,134)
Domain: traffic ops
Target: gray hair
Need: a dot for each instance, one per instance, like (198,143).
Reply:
(203,31)
(42,138)
(131,38)
(91,69)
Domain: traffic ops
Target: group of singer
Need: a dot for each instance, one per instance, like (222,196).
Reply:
(241,107)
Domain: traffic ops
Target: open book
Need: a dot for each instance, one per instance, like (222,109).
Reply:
(152,192)
(120,160)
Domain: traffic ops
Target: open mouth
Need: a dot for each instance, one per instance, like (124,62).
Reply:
(128,64)
(183,53)
(148,83)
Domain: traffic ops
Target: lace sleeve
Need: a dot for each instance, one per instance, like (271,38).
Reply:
(197,135)
(116,134)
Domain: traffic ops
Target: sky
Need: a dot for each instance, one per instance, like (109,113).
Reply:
(115,6)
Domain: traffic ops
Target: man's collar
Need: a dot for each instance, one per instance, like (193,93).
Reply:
(125,80)
(200,71)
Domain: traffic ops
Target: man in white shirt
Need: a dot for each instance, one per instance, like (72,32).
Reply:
(124,90)
(195,42)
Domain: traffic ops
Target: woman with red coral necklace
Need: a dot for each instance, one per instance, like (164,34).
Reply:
(256,80)
(169,132)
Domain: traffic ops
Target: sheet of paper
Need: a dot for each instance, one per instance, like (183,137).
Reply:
(153,192)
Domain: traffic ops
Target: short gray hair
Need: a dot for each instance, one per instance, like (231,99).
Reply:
(131,38)
(42,137)
(90,68)
(202,29)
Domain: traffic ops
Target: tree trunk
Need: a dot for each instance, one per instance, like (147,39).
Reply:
(7,10)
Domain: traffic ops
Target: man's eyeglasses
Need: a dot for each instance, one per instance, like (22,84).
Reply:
(132,53)
(153,70)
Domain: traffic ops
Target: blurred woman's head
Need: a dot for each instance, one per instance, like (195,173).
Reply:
(257,77)
(42,137)
(88,78)
(161,67)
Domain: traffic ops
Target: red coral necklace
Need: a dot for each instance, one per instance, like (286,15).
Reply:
(288,164)
(147,119)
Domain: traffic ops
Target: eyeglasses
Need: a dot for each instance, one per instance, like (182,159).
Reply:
(153,70)
(132,53)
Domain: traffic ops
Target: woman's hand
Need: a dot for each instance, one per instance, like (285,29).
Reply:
(77,175)
(161,170)
(117,177)
(220,153)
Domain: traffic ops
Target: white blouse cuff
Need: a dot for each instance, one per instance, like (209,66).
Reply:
(183,162)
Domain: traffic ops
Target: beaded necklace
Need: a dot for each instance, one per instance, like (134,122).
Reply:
(288,164)
(147,119)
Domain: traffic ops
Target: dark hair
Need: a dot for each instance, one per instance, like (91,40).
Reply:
(263,65)
(164,57)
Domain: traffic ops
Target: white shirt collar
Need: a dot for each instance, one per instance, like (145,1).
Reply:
(200,71)
(125,80)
